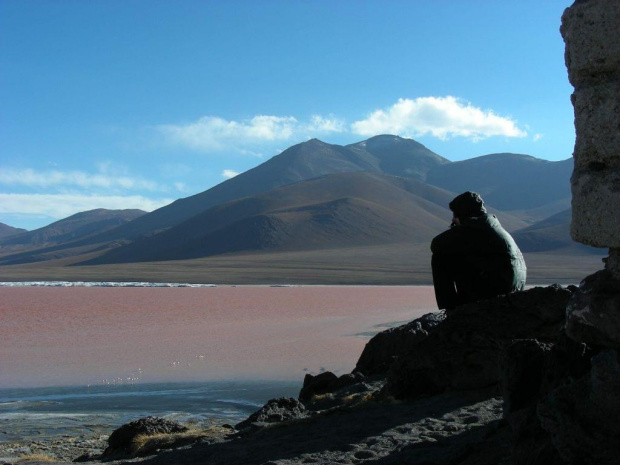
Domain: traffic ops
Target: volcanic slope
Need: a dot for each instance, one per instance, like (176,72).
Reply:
(335,211)
(521,184)
(300,162)
(8,231)
(552,234)
(398,156)
(78,226)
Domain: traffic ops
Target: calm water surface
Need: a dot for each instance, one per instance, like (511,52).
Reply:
(93,336)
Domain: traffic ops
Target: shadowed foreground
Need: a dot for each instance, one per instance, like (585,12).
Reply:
(435,430)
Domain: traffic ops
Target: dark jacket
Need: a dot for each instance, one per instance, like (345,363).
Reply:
(487,247)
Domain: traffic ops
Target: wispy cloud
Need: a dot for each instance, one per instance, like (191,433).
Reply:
(63,205)
(229,174)
(319,124)
(212,133)
(441,117)
(537,137)
(55,178)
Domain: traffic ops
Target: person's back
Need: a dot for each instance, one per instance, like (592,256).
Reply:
(476,258)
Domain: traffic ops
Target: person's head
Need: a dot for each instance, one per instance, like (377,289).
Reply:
(466,205)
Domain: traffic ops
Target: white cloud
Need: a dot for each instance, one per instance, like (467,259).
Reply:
(441,117)
(229,174)
(211,133)
(180,186)
(62,205)
(537,137)
(322,125)
(54,178)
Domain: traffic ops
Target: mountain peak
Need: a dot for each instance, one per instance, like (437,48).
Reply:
(399,156)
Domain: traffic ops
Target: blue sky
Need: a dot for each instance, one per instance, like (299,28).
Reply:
(132,104)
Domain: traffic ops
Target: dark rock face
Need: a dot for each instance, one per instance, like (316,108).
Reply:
(464,351)
(120,441)
(582,416)
(530,371)
(275,411)
(521,373)
(325,383)
(381,351)
(593,314)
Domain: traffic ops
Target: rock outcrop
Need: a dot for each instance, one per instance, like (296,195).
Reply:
(385,347)
(121,441)
(278,410)
(582,416)
(530,372)
(464,351)
(592,55)
(590,31)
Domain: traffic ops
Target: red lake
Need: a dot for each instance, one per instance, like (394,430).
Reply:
(52,336)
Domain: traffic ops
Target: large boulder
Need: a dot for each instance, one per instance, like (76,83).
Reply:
(464,351)
(385,347)
(121,441)
(278,410)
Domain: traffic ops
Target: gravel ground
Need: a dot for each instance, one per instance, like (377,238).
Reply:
(58,450)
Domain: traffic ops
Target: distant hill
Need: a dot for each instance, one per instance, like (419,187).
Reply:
(8,231)
(315,196)
(298,163)
(551,234)
(78,226)
(509,182)
(339,210)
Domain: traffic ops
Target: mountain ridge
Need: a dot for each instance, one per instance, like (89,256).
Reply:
(346,173)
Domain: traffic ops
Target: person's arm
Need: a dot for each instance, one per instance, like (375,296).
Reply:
(449,242)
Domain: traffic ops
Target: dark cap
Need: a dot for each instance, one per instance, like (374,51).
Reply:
(467,204)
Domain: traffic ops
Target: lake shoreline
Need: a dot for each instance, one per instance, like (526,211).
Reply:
(66,422)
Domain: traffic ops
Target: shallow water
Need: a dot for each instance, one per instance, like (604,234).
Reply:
(93,336)
(50,413)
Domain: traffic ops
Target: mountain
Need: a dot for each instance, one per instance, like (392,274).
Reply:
(509,182)
(298,163)
(78,226)
(552,233)
(339,210)
(315,196)
(8,231)
(399,157)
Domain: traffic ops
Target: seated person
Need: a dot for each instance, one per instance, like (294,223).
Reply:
(476,258)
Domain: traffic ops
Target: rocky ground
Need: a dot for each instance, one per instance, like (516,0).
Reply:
(55,450)
(429,430)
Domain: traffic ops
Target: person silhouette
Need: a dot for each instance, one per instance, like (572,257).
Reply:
(476,258)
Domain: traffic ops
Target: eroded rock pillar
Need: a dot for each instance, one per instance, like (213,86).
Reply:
(591,31)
